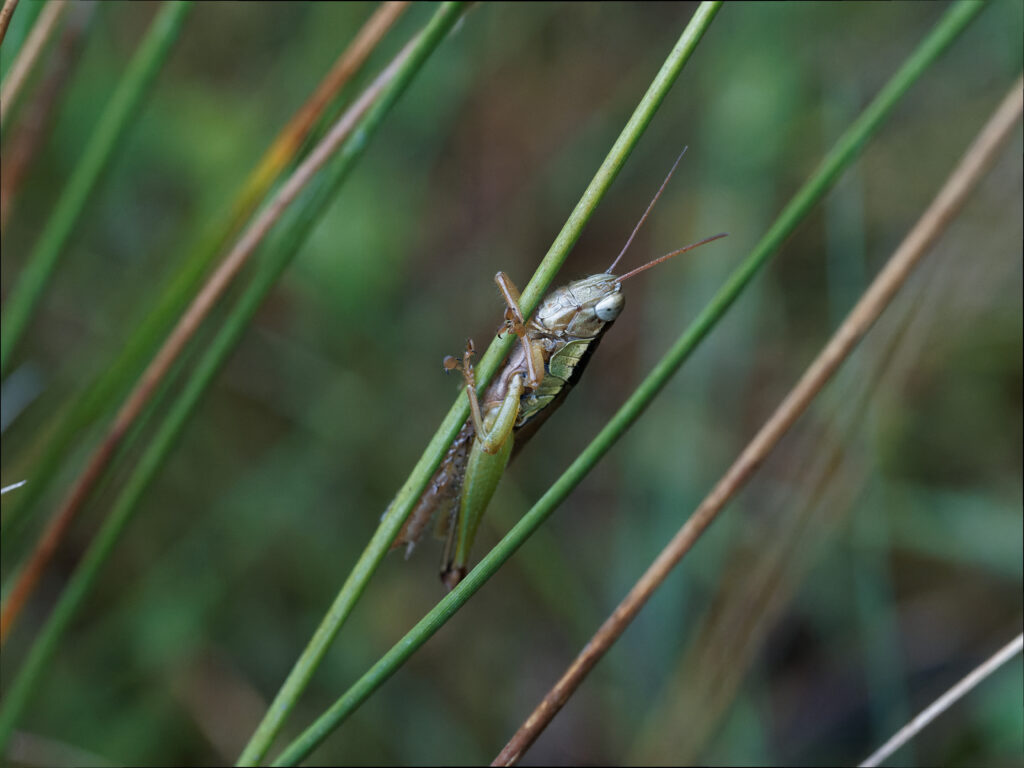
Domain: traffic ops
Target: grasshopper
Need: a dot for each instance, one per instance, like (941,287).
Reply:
(556,344)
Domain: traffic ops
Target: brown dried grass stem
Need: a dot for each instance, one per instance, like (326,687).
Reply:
(295,132)
(29,54)
(950,199)
(5,17)
(34,127)
(179,337)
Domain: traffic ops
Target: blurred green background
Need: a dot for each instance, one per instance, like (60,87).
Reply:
(874,559)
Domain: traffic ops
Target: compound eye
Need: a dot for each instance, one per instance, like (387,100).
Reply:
(608,308)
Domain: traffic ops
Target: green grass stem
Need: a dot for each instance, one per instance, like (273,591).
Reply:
(112,383)
(114,379)
(842,155)
(287,240)
(106,137)
(385,534)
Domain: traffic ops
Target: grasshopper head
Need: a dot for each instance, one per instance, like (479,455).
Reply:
(582,307)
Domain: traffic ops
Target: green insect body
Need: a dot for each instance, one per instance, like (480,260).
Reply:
(556,344)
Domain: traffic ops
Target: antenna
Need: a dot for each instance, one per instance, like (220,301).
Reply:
(667,256)
(649,207)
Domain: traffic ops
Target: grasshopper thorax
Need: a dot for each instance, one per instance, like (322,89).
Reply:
(582,307)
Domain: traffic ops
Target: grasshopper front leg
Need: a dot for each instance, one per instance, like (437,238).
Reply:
(515,321)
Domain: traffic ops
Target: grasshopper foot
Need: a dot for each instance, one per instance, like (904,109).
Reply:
(452,575)
(452,363)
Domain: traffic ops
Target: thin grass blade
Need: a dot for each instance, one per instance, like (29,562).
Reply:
(945,701)
(115,121)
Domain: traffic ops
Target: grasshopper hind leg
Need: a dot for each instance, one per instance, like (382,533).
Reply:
(441,497)
(485,464)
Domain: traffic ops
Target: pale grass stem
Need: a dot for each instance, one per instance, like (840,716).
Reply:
(29,54)
(12,486)
(32,128)
(945,701)
(5,17)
